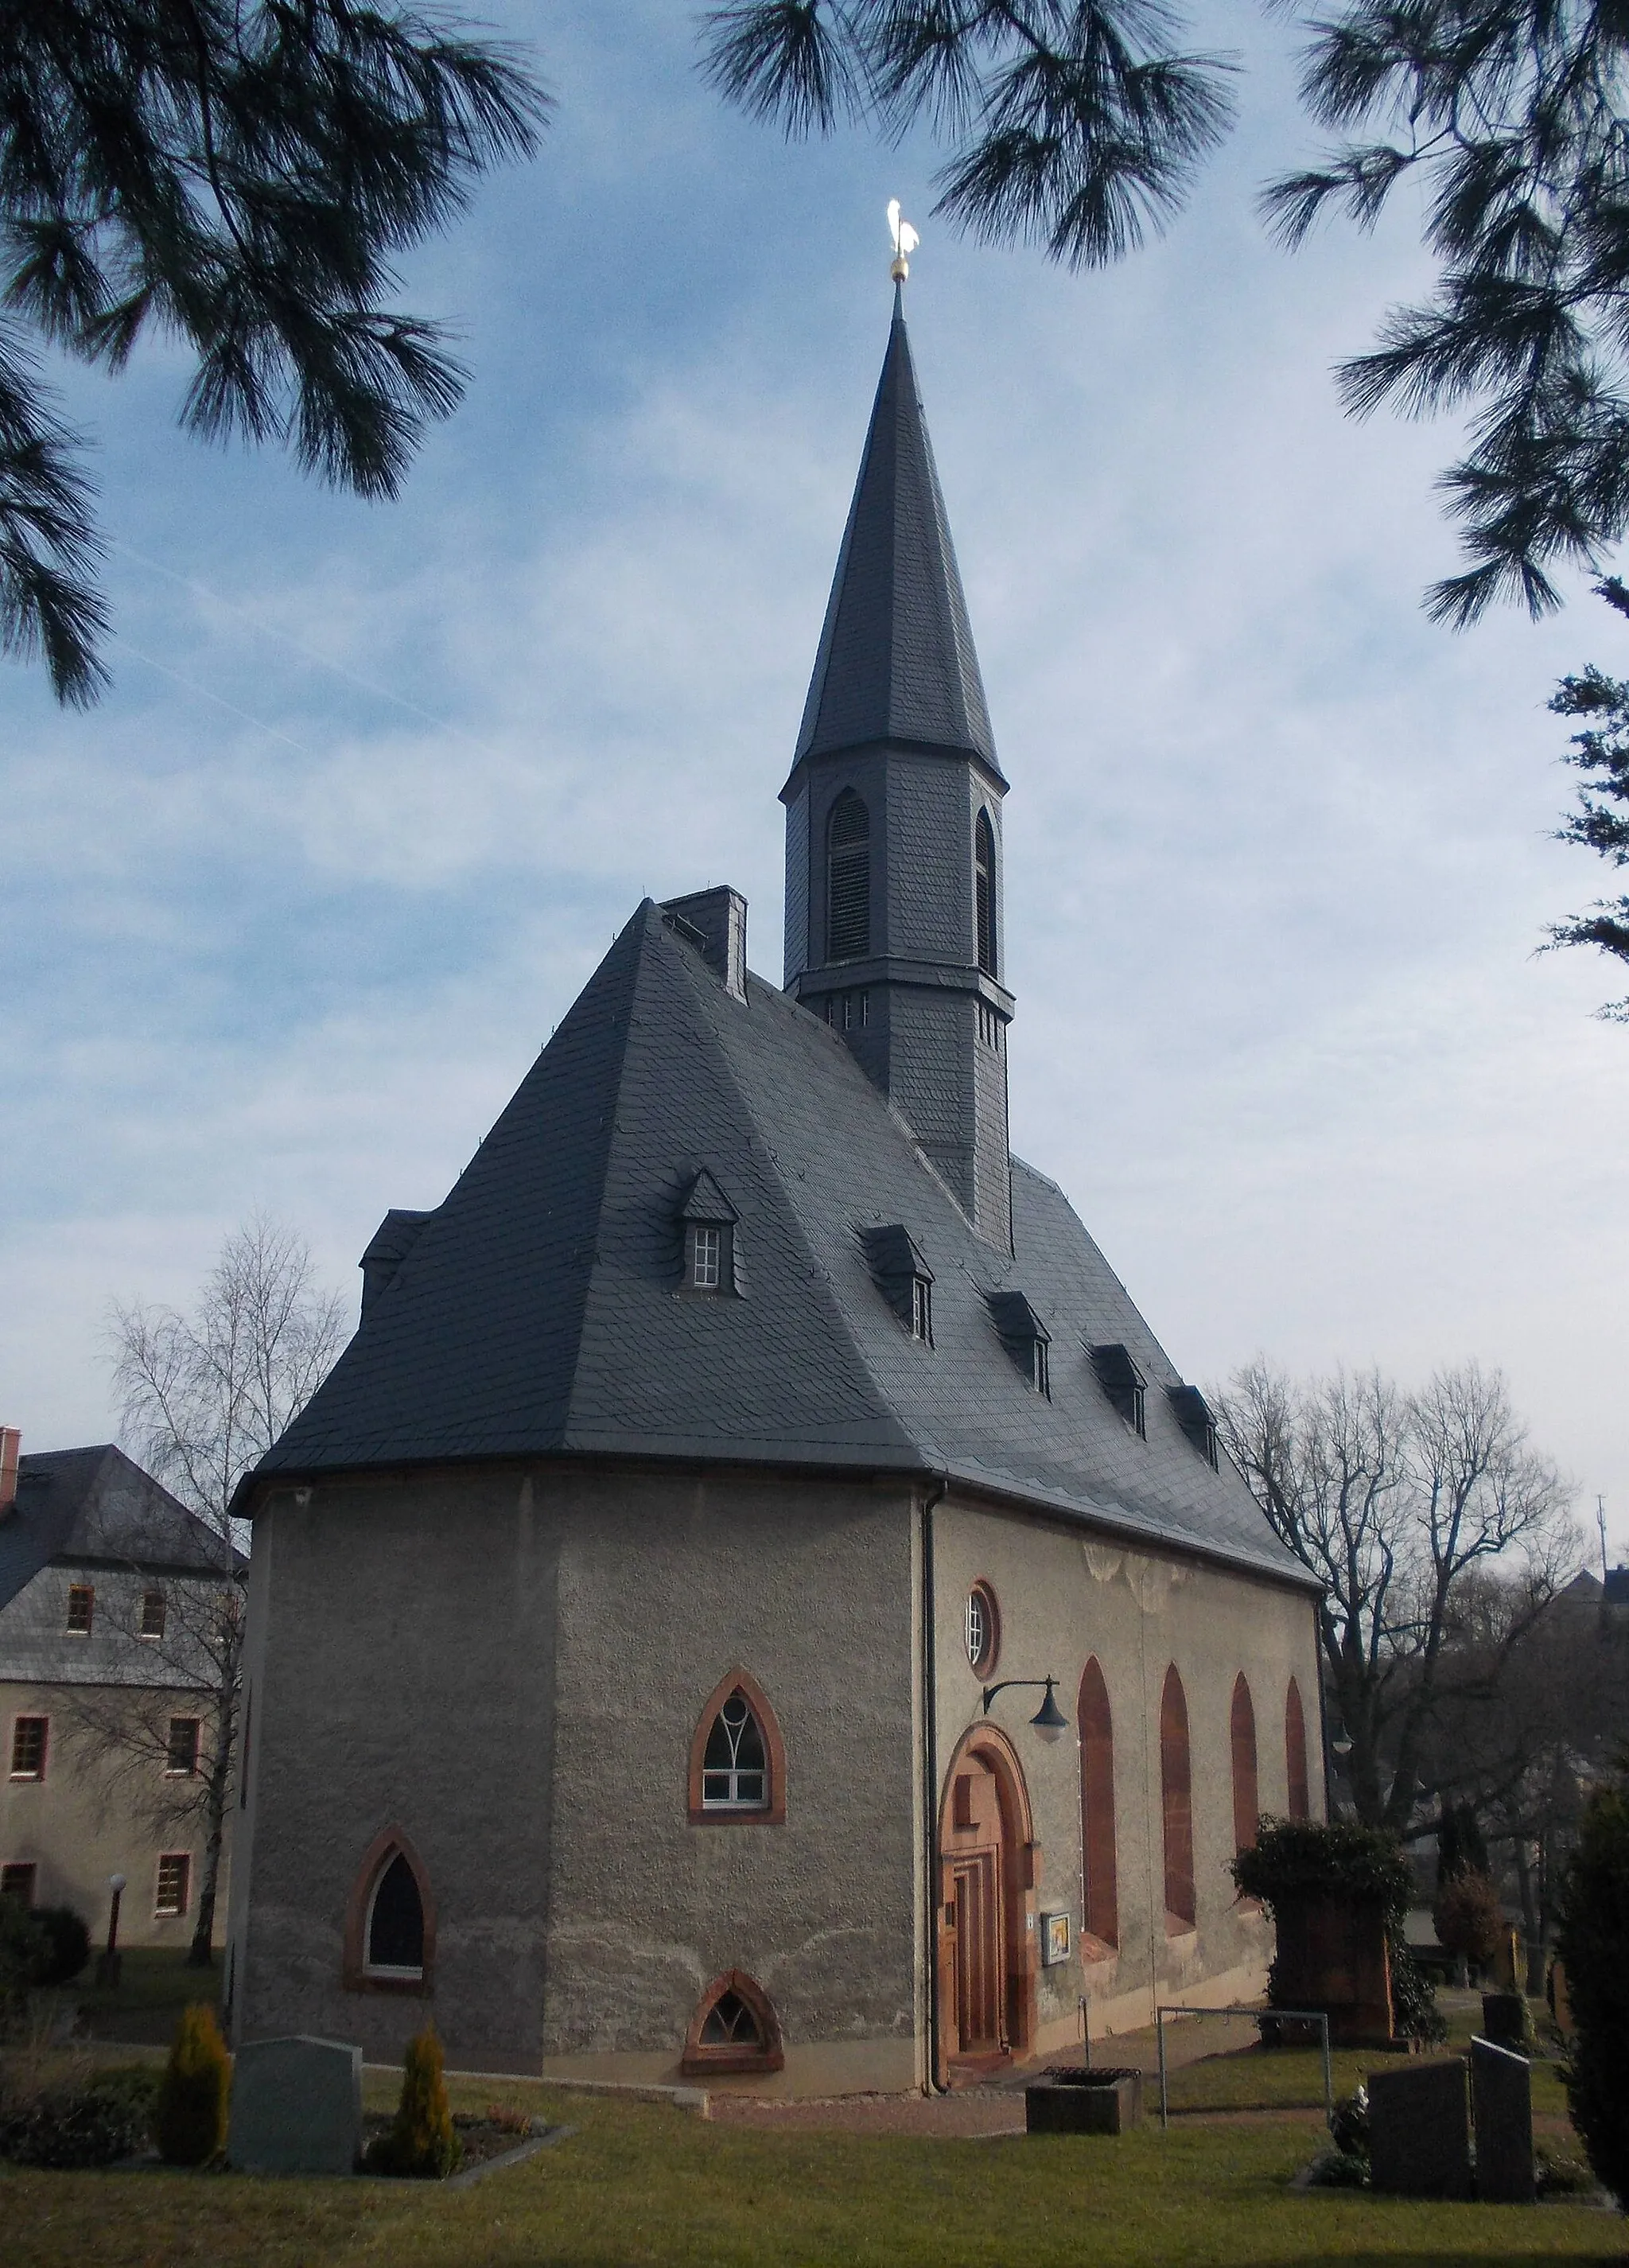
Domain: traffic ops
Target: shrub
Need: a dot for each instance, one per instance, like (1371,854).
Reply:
(1339,2170)
(1349,2125)
(68,1944)
(190,2122)
(1414,2008)
(1468,1916)
(108,2117)
(1592,1942)
(422,2144)
(23,1951)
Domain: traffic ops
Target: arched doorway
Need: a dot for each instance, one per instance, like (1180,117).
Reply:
(988,1867)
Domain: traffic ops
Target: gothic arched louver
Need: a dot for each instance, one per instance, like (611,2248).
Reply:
(848,879)
(1246,1799)
(1300,1799)
(984,892)
(738,1763)
(1097,1837)
(1176,1794)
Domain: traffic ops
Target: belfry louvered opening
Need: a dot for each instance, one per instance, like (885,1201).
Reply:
(848,879)
(984,892)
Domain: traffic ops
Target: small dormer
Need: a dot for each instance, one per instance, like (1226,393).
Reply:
(1193,1414)
(903,1276)
(710,1223)
(1024,1336)
(393,1240)
(1123,1383)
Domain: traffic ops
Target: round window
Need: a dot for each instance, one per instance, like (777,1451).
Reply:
(982,1634)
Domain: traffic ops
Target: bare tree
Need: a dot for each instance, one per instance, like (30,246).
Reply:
(203,1396)
(1392,1499)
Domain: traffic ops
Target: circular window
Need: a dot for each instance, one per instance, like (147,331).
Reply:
(982,1630)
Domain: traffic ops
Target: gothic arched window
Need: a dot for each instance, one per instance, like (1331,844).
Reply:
(1176,1796)
(733,2028)
(738,1766)
(1300,1803)
(848,879)
(1101,1919)
(1246,1799)
(390,1922)
(984,892)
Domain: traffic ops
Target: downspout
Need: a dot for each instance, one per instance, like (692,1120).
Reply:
(930,1781)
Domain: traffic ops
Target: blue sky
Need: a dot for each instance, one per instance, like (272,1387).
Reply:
(287,916)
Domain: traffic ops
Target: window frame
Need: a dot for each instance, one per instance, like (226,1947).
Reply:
(1246,1761)
(1176,1846)
(160,1911)
(982,1591)
(82,1597)
(356,1975)
(701,2057)
(22,1776)
(1100,1856)
(147,1635)
(1297,1773)
(772,1814)
(172,1770)
(922,1310)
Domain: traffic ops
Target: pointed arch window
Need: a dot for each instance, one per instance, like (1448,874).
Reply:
(1299,1800)
(1176,1804)
(738,1763)
(1246,1795)
(734,2028)
(1101,1909)
(390,1921)
(984,892)
(848,879)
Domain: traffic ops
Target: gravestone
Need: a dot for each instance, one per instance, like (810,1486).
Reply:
(1419,2130)
(296,2107)
(1502,2095)
(1505,2019)
(1331,1954)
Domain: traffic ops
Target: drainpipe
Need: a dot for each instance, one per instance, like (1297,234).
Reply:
(929,1778)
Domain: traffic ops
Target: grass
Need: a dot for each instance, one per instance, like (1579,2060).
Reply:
(155,1984)
(641,2185)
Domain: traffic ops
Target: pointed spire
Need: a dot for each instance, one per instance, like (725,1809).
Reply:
(896,659)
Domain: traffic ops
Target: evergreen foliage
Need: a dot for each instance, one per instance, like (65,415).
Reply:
(1592,1942)
(24,1951)
(1302,1858)
(107,2118)
(1468,1916)
(1414,2009)
(422,2144)
(190,2118)
(239,174)
(1601,752)
(68,1944)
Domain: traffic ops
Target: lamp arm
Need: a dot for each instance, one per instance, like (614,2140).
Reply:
(990,1691)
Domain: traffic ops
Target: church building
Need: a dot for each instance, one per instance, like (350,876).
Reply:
(754,1602)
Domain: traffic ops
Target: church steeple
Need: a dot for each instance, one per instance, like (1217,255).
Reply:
(893,871)
(896,659)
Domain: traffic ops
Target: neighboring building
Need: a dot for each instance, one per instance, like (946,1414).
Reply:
(626,1605)
(97,1564)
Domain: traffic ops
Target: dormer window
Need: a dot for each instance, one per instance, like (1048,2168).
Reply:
(903,1276)
(1025,1336)
(1193,1414)
(709,1221)
(1123,1383)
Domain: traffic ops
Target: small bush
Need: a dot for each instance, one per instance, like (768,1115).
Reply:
(108,2117)
(1592,1943)
(1339,2170)
(68,1944)
(1468,1916)
(1557,2177)
(1414,2008)
(24,1948)
(422,2145)
(1349,2125)
(190,2122)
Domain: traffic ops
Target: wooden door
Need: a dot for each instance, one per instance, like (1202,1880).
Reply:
(973,1970)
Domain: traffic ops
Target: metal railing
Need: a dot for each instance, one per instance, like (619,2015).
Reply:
(1318,2017)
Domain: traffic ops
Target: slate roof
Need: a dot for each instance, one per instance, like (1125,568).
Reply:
(896,659)
(539,1309)
(92,1507)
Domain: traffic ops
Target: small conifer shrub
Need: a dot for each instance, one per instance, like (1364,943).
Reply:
(1593,1943)
(189,2124)
(422,2145)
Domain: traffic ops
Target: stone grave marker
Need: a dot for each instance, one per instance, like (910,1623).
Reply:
(296,2107)
(1419,2130)
(1502,2095)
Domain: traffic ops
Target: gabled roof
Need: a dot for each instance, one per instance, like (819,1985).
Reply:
(538,1311)
(92,1507)
(896,661)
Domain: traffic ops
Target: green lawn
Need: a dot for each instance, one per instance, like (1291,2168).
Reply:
(639,2183)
